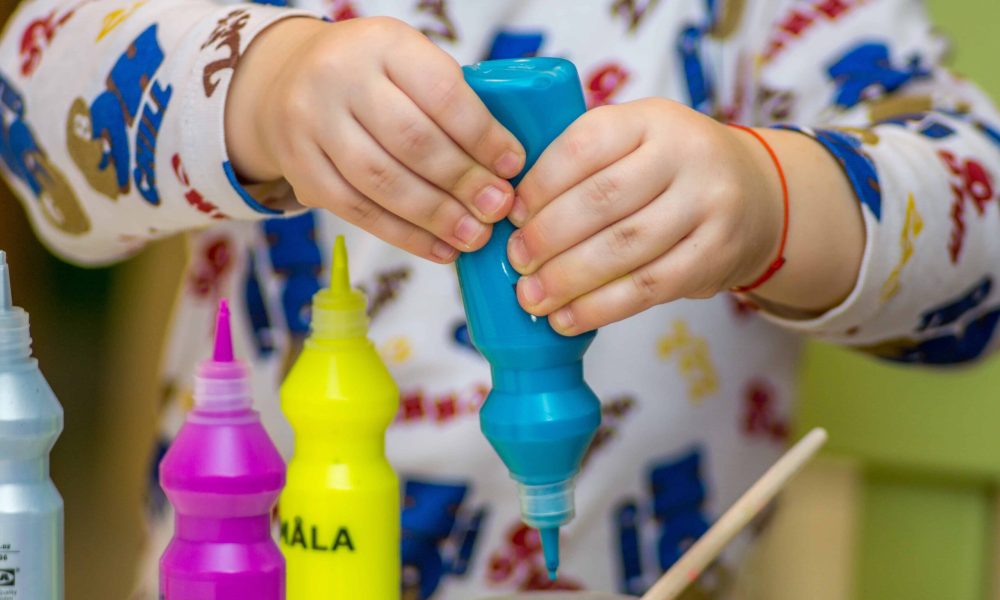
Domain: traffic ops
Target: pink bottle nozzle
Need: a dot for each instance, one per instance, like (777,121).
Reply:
(222,383)
(223,334)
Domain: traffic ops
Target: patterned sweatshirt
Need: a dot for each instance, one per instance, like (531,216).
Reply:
(111,133)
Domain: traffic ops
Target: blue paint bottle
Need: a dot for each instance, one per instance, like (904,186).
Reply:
(540,416)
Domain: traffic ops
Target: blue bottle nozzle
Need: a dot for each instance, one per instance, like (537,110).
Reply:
(550,547)
(540,416)
(546,507)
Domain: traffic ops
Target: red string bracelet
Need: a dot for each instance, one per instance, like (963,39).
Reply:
(780,260)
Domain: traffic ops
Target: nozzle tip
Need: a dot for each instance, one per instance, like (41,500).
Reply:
(550,547)
(223,334)
(6,300)
(340,279)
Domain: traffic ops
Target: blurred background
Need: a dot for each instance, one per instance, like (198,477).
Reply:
(903,505)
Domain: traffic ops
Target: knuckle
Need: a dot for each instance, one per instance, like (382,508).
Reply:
(414,138)
(362,211)
(577,147)
(438,215)
(445,93)
(385,25)
(645,285)
(453,73)
(603,193)
(325,59)
(598,121)
(293,107)
(625,237)
(414,240)
(655,104)
(381,178)
(598,113)
(604,123)
(463,178)
(722,191)
(484,141)
(698,143)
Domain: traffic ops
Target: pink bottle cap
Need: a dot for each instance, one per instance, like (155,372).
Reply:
(222,382)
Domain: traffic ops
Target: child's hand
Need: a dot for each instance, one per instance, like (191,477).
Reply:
(370,120)
(640,204)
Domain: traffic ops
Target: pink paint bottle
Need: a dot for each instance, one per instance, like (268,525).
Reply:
(223,476)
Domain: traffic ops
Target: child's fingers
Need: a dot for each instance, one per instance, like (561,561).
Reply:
(678,274)
(317,183)
(590,144)
(613,252)
(418,143)
(438,87)
(380,177)
(604,198)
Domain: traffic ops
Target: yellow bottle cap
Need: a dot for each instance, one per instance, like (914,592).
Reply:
(340,311)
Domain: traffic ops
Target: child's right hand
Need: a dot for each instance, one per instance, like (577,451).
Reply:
(370,120)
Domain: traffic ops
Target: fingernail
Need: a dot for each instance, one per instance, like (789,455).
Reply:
(518,212)
(562,320)
(443,251)
(490,200)
(508,165)
(469,229)
(531,290)
(517,252)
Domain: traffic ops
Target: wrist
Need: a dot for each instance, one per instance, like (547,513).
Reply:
(767,191)
(247,108)
(826,234)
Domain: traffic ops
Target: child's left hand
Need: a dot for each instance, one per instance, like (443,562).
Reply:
(640,204)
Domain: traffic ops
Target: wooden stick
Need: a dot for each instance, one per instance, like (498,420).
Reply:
(690,566)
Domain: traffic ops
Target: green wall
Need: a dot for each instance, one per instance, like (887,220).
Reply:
(972,25)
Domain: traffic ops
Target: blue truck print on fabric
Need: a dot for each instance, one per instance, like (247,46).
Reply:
(439,538)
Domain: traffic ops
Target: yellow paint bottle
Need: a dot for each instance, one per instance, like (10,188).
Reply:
(340,528)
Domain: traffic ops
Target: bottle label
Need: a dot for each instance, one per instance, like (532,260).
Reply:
(336,541)
(9,570)
(296,533)
(30,557)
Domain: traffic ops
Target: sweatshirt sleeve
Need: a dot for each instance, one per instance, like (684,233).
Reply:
(921,148)
(111,120)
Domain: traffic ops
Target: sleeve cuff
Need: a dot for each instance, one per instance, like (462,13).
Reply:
(221,39)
